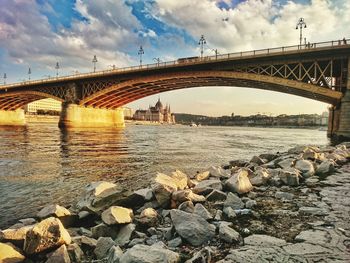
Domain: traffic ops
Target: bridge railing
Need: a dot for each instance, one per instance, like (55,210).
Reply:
(195,60)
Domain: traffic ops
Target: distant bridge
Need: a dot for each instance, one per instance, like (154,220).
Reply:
(318,71)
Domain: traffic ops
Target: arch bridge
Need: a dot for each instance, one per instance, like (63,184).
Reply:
(318,71)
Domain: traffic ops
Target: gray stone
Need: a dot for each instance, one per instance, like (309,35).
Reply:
(75,252)
(250,204)
(284,195)
(187,206)
(117,215)
(85,232)
(218,215)
(193,228)
(286,163)
(238,163)
(10,253)
(45,235)
(305,249)
(268,156)
(233,201)
(146,193)
(216,195)
(149,254)
(316,211)
(219,172)
(148,217)
(207,186)
(200,210)
(229,212)
(259,177)
(162,194)
(290,177)
(257,160)
(313,237)
(102,230)
(244,211)
(53,210)
(239,182)
(136,241)
(114,254)
(325,168)
(305,167)
(102,247)
(228,234)
(124,234)
(263,240)
(176,242)
(84,241)
(60,255)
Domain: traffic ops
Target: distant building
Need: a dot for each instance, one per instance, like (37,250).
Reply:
(43,105)
(158,113)
(127,113)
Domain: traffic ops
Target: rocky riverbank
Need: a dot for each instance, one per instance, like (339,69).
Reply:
(283,207)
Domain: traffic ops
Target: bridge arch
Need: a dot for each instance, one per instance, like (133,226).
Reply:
(16,100)
(125,92)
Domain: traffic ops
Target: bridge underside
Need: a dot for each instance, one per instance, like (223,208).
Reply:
(126,92)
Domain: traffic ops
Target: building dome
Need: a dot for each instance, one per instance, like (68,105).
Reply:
(159,105)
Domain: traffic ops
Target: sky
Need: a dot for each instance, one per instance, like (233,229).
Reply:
(39,33)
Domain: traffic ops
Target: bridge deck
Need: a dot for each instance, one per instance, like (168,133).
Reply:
(269,52)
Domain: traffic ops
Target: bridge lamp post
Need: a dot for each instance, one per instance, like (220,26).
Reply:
(29,72)
(5,77)
(94,61)
(202,42)
(300,25)
(57,67)
(157,60)
(216,53)
(140,53)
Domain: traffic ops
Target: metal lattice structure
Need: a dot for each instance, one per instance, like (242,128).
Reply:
(317,72)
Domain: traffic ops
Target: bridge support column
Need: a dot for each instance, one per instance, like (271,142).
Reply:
(75,116)
(343,131)
(12,118)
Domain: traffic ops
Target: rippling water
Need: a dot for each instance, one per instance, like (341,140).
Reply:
(41,165)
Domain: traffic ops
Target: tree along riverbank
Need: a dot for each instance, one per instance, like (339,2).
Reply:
(284,207)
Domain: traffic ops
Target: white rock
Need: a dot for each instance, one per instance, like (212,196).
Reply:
(117,215)
(202,176)
(239,182)
(180,179)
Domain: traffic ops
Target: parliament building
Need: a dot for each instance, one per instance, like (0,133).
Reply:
(158,113)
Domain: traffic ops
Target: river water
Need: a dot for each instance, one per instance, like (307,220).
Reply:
(42,165)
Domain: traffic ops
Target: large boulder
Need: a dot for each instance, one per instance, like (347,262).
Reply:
(53,210)
(101,195)
(60,255)
(191,227)
(117,215)
(149,254)
(10,254)
(45,235)
(239,182)
(306,168)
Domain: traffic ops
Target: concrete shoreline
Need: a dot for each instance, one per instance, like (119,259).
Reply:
(284,207)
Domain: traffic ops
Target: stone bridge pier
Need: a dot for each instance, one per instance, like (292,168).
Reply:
(75,116)
(339,115)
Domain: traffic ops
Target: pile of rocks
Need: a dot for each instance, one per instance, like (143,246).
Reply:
(182,218)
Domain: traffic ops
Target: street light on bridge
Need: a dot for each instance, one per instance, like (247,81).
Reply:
(201,43)
(300,25)
(5,77)
(94,60)
(216,53)
(57,67)
(140,53)
(29,72)
(157,60)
